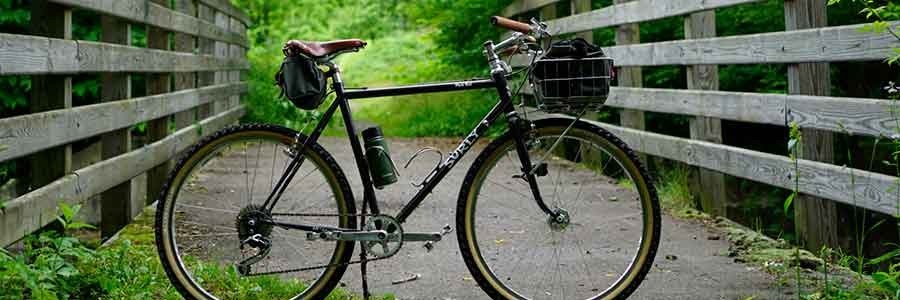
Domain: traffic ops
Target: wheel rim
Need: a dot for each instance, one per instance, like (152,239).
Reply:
(202,208)
(524,253)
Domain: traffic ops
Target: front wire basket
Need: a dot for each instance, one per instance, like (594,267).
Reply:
(570,85)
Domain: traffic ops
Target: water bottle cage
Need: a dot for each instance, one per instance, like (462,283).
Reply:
(433,170)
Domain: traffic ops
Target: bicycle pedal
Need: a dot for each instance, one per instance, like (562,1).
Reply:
(444,231)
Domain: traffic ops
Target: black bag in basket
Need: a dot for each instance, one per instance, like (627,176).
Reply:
(301,81)
(574,69)
(574,48)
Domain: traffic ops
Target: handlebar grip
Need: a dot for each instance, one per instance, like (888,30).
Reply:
(510,24)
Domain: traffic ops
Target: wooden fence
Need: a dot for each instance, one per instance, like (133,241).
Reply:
(806,46)
(192,67)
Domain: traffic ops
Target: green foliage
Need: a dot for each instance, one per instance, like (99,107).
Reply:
(795,143)
(408,43)
(67,217)
(461,28)
(13,15)
(45,270)
(54,266)
(278,21)
(880,13)
(674,190)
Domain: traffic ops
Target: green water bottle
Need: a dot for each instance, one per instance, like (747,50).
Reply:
(379,157)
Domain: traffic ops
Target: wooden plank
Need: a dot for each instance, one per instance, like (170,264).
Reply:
(858,116)
(142,11)
(226,7)
(25,55)
(871,190)
(48,92)
(636,12)
(710,186)
(36,132)
(816,219)
(829,44)
(116,203)
(33,210)
(521,6)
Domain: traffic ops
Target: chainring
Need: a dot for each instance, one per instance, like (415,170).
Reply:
(394,241)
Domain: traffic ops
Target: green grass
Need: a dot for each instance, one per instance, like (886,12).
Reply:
(54,266)
(674,191)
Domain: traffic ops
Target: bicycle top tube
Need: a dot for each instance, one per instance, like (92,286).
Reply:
(472,84)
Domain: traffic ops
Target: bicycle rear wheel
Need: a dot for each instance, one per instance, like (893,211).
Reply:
(211,208)
(603,245)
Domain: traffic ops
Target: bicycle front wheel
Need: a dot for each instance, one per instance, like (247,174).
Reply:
(216,240)
(599,241)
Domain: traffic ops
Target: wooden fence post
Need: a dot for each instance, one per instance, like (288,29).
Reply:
(712,191)
(117,206)
(206,47)
(48,92)
(185,80)
(234,50)
(157,129)
(221,49)
(583,6)
(816,219)
(630,76)
(548,12)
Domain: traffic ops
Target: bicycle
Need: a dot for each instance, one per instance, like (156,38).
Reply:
(203,225)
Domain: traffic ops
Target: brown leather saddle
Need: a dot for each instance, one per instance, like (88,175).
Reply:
(322,49)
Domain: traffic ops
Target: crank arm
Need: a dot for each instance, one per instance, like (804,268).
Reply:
(422,237)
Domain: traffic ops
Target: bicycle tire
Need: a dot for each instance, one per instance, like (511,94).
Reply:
(475,179)
(315,154)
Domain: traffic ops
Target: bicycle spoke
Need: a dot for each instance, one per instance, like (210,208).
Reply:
(216,224)
(558,262)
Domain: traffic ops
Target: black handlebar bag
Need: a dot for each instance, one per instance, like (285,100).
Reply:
(572,77)
(301,81)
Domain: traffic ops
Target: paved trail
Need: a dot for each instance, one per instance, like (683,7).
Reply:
(688,266)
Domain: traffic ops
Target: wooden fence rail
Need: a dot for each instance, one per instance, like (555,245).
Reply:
(197,46)
(806,46)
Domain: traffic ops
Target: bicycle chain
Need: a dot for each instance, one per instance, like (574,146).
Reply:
(322,215)
(319,266)
(314,267)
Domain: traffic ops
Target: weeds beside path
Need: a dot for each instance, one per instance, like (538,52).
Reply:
(52,266)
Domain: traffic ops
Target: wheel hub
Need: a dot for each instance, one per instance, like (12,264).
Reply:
(392,242)
(559,220)
(252,220)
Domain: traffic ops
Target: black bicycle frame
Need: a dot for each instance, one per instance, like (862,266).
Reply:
(504,106)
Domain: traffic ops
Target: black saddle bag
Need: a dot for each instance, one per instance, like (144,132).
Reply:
(301,81)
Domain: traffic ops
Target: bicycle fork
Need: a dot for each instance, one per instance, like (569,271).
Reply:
(519,128)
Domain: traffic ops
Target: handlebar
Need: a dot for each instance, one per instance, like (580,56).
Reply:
(511,24)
